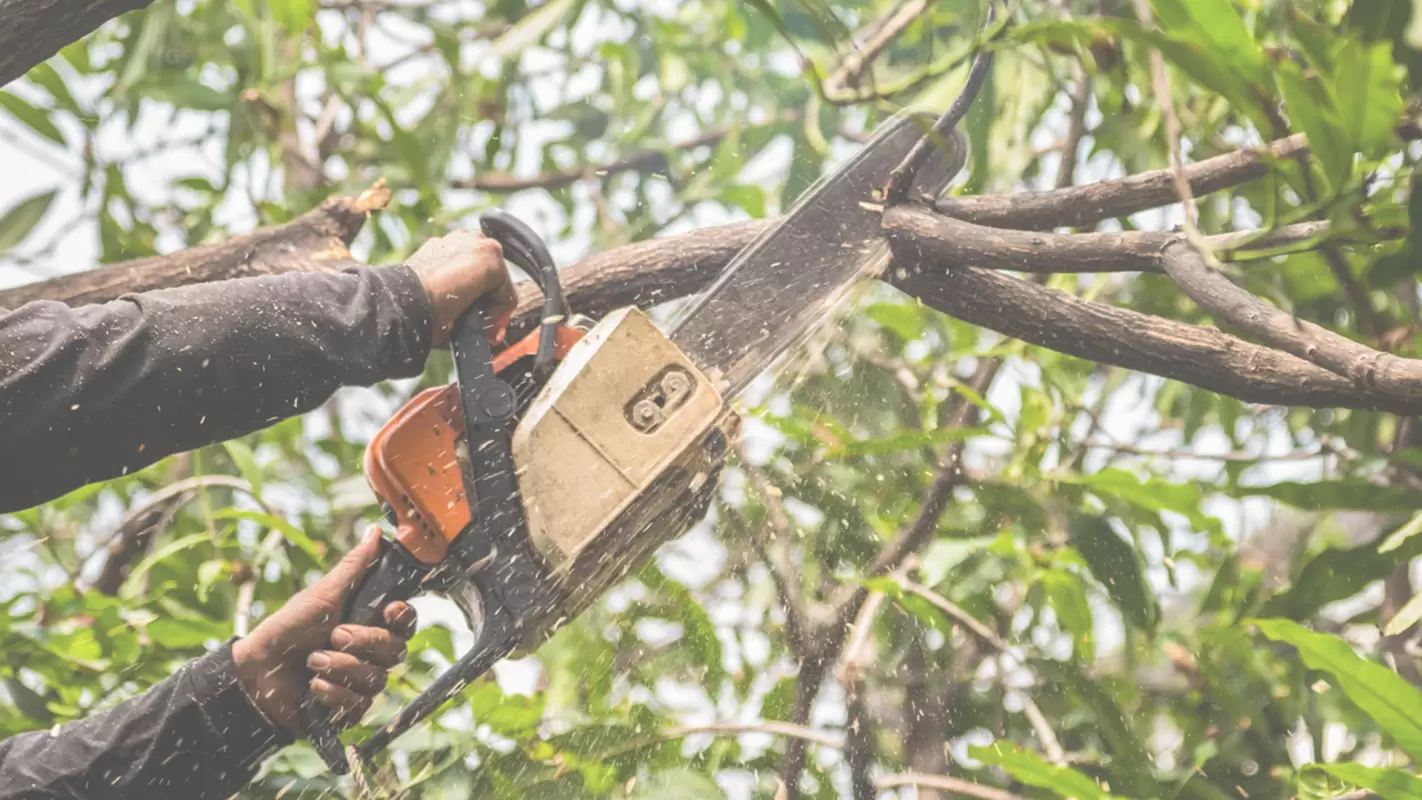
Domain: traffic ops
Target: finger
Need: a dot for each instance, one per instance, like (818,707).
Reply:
(347,573)
(401,620)
(344,669)
(376,645)
(349,706)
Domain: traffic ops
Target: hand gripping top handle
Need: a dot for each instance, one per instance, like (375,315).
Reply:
(419,464)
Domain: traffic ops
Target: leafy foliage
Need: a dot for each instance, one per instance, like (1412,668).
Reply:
(1188,624)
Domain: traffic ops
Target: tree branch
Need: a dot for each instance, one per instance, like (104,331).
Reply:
(1368,370)
(1080,206)
(946,783)
(874,39)
(1201,356)
(315,241)
(34,30)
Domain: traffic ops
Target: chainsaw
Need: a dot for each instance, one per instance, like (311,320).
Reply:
(546,473)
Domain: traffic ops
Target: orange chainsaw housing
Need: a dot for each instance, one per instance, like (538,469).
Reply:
(412,462)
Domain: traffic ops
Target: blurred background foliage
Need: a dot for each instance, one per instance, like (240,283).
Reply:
(1140,589)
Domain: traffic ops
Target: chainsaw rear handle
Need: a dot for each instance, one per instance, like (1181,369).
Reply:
(397,575)
(525,249)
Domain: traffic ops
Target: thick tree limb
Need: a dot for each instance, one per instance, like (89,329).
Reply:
(1367,369)
(34,30)
(1085,205)
(954,241)
(1197,355)
(315,241)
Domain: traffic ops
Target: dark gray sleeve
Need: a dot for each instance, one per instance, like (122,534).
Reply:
(95,392)
(193,736)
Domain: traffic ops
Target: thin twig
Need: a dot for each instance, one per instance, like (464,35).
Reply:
(1164,99)
(958,615)
(1051,746)
(901,179)
(875,39)
(946,783)
(242,615)
(789,730)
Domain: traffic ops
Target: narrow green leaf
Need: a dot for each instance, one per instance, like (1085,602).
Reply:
(1382,694)
(157,556)
(1337,573)
(1327,495)
(35,118)
(30,703)
(186,634)
(1116,564)
(1031,769)
(1401,535)
(680,783)
(1068,599)
(1368,93)
(1405,617)
(291,533)
(1388,783)
(1310,111)
(22,218)
(246,463)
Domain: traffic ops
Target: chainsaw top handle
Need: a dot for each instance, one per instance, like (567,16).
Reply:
(524,248)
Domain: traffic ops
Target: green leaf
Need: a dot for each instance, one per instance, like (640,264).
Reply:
(1388,783)
(1116,564)
(1152,494)
(246,463)
(1310,110)
(22,218)
(680,783)
(36,119)
(294,535)
(510,715)
(185,92)
(1337,573)
(1340,494)
(1401,535)
(750,198)
(1405,617)
(940,557)
(1031,769)
(29,702)
(904,320)
(1369,97)
(1217,26)
(1068,599)
(1382,694)
(157,556)
(293,15)
(186,634)
(910,441)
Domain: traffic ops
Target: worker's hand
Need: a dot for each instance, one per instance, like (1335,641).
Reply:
(457,269)
(277,660)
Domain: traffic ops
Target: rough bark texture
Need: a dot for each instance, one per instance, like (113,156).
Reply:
(1083,205)
(315,241)
(34,30)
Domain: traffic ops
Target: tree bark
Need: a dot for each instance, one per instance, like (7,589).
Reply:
(313,242)
(33,30)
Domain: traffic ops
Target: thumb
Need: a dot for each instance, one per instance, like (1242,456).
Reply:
(348,571)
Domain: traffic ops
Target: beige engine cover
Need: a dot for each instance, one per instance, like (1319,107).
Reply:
(624,434)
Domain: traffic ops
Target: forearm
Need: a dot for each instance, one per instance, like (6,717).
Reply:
(91,393)
(194,736)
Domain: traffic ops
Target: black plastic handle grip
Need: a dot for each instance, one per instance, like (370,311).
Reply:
(527,250)
(395,576)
